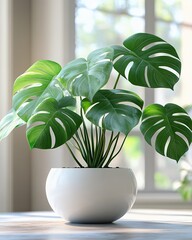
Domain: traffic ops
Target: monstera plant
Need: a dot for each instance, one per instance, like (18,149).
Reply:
(71,105)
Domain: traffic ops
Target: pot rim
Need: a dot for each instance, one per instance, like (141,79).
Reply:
(95,169)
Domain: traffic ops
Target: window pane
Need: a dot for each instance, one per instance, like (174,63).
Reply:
(167,173)
(171,33)
(168,10)
(97,27)
(175,26)
(132,157)
(136,7)
(180,36)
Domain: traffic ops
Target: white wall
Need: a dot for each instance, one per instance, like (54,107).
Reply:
(30,30)
(20,60)
(5,154)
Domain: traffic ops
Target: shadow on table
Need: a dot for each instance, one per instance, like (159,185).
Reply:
(128,230)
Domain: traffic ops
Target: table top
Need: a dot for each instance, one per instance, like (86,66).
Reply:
(138,224)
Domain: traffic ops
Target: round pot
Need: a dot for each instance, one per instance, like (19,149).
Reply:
(91,195)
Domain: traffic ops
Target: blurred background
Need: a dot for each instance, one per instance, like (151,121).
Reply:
(61,30)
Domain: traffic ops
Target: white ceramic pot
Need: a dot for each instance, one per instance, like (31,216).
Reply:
(91,195)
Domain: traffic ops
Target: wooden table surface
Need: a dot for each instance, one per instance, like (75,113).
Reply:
(137,225)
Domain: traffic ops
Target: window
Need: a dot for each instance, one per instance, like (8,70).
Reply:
(102,23)
(173,22)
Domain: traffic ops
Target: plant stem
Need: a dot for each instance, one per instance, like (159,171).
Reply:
(87,143)
(113,156)
(115,140)
(100,148)
(117,80)
(92,140)
(109,146)
(80,145)
(108,149)
(73,155)
(93,146)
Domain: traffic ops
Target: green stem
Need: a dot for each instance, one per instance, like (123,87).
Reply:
(113,156)
(87,141)
(117,80)
(99,151)
(92,140)
(115,140)
(107,151)
(86,147)
(109,145)
(73,155)
(80,146)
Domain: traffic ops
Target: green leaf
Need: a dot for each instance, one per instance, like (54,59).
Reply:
(52,124)
(171,128)
(33,86)
(147,60)
(10,122)
(115,110)
(84,77)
